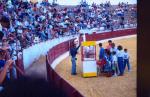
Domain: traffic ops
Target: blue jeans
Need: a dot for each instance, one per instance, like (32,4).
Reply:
(121,65)
(73,60)
(126,62)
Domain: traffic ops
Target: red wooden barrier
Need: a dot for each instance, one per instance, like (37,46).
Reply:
(53,77)
(105,35)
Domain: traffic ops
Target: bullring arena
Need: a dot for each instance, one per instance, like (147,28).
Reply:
(101,86)
(37,40)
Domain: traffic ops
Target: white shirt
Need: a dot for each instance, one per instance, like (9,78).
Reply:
(36,40)
(113,49)
(50,15)
(114,58)
(19,31)
(24,0)
(126,55)
(26,23)
(120,53)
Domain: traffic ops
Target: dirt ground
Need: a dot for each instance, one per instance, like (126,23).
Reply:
(101,86)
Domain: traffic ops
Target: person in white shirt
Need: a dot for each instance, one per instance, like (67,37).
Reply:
(113,48)
(114,64)
(126,60)
(120,55)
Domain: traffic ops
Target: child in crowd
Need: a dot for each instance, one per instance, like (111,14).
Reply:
(126,60)
(108,59)
(114,64)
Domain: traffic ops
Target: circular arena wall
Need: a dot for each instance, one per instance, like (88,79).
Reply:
(60,52)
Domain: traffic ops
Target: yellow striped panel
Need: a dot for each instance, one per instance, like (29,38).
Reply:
(91,74)
(88,43)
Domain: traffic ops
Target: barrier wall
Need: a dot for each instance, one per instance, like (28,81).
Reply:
(53,77)
(33,53)
(113,34)
(60,49)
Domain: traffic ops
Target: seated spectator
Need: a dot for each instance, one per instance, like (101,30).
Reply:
(62,21)
(4,67)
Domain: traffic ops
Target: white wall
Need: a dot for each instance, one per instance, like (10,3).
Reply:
(34,52)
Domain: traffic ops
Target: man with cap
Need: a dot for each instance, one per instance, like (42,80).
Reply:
(73,53)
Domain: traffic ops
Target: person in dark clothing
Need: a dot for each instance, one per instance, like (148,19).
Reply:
(1,35)
(101,52)
(3,68)
(73,53)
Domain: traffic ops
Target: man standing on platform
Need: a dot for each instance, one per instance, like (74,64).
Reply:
(73,53)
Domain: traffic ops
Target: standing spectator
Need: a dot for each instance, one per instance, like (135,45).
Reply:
(126,60)
(113,48)
(109,46)
(101,52)
(120,55)
(107,66)
(73,53)
(114,64)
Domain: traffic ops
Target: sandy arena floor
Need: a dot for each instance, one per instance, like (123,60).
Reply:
(124,86)
(101,86)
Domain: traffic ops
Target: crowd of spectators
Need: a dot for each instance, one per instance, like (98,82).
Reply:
(33,22)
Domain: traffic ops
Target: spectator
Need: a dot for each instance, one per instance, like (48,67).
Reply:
(101,52)
(126,60)
(113,48)
(107,67)
(4,67)
(120,55)
(109,46)
(114,64)
(73,53)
